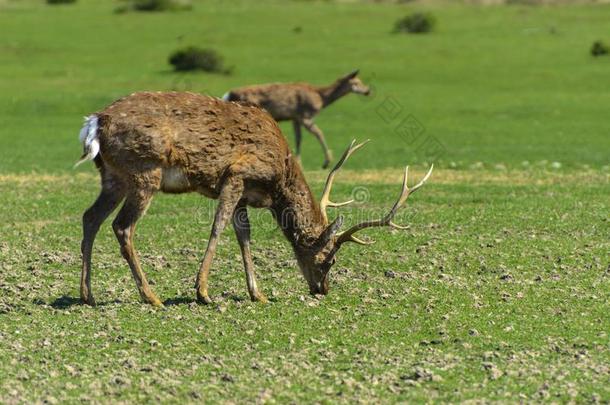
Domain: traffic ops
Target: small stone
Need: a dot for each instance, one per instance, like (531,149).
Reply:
(493,371)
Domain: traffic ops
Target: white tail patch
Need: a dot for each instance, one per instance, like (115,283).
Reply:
(225,96)
(88,137)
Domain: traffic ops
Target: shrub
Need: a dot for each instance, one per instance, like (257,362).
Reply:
(193,58)
(416,23)
(61,1)
(599,48)
(154,5)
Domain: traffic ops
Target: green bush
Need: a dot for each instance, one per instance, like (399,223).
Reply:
(193,58)
(599,48)
(61,1)
(154,5)
(416,23)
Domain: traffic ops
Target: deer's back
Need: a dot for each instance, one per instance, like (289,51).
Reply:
(284,101)
(199,137)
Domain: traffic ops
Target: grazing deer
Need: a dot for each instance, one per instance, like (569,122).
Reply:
(185,142)
(300,103)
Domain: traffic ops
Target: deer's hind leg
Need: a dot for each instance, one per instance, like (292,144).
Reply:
(317,132)
(230,194)
(111,195)
(124,225)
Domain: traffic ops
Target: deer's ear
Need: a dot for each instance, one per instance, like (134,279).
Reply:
(352,74)
(329,232)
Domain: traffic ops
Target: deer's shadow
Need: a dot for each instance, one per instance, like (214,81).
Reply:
(66,302)
(179,301)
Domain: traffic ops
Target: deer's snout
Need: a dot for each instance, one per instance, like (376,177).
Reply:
(365,91)
(319,288)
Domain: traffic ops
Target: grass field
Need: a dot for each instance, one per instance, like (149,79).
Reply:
(498,292)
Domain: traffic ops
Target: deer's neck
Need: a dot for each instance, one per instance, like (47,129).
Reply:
(332,93)
(296,211)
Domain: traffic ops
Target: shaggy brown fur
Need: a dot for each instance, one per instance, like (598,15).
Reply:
(184,142)
(300,103)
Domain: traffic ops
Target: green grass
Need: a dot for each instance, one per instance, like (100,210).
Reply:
(495,275)
(498,292)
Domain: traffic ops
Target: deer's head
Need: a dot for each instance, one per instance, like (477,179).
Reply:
(351,83)
(317,257)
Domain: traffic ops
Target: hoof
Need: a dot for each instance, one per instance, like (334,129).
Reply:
(150,298)
(260,298)
(203,298)
(156,303)
(88,299)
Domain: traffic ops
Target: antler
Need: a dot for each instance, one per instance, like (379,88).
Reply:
(325,200)
(348,236)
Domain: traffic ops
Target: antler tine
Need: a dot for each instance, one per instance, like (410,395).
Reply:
(422,181)
(325,200)
(348,236)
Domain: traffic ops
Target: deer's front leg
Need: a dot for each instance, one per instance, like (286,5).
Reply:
(230,195)
(241,224)
(317,132)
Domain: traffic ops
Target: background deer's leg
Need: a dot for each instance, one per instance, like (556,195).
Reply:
(317,132)
(230,195)
(110,196)
(124,227)
(297,138)
(241,224)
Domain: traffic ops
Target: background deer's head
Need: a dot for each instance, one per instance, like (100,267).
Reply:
(351,83)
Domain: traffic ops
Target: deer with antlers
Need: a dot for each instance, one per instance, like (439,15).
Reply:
(299,103)
(184,142)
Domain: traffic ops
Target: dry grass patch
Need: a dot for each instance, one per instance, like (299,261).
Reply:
(382,176)
(22,179)
(474,177)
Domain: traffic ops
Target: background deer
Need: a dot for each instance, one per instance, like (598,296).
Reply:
(184,142)
(300,103)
